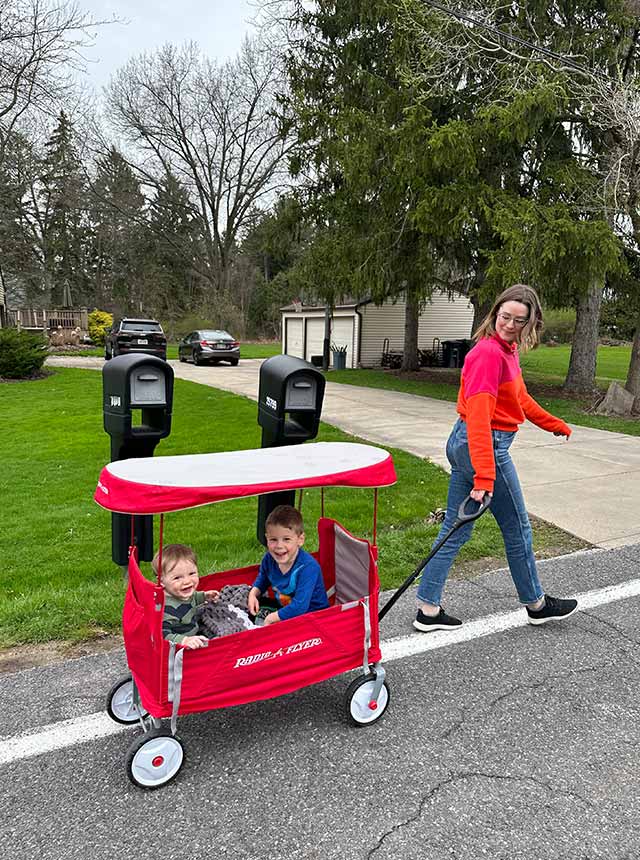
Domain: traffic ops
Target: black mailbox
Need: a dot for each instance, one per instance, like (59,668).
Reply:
(290,399)
(136,403)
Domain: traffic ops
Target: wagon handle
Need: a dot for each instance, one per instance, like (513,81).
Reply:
(461,518)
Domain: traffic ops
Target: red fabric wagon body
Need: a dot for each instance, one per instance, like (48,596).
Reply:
(266,661)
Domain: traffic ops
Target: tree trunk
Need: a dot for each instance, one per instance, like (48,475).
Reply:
(581,376)
(480,310)
(410,359)
(632,384)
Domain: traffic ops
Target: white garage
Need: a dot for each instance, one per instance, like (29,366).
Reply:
(367,329)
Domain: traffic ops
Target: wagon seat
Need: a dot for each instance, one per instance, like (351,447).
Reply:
(348,563)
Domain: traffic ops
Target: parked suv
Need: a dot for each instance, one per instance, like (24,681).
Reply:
(133,335)
(209,347)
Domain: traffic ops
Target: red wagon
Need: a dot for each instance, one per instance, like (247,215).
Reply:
(167,681)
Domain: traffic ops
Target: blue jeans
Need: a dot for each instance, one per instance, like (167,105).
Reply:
(507,506)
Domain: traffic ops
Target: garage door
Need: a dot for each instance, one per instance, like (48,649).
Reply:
(315,336)
(293,339)
(342,335)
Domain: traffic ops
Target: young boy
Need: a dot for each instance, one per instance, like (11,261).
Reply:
(294,575)
(179,578)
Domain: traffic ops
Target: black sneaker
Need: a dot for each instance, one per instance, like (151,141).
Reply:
(554,609)
(441,621)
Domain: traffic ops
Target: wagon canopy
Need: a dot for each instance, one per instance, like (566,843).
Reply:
(157,485)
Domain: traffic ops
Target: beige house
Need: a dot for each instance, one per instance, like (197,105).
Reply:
(367,330)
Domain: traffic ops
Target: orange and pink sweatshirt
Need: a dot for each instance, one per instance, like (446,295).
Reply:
(493,396)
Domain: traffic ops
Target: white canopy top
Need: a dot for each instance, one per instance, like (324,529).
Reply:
(157,484)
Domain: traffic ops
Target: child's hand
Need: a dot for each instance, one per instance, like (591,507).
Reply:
(194,642)
(212,595)
(253,603)
(271,618)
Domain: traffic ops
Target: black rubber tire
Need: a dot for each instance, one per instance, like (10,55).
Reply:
(181,357)
(195,358)
(351,708)
(140,762)
(114,706)
(234,362)
(107,354)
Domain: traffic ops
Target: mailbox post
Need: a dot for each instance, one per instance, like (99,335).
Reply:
(290,398)
(135,386)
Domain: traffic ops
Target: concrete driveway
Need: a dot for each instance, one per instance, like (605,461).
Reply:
(589,486)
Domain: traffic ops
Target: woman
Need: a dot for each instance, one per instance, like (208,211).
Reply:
(492,403)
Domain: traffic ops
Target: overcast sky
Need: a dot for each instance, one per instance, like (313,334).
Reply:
(217,25)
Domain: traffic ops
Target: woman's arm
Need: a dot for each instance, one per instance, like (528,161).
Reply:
(540,417)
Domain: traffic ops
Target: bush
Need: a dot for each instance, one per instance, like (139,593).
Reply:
(559,326)
(226,318)
(21,354)
(99,323)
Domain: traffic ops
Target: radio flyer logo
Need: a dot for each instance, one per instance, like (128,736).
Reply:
(280,652)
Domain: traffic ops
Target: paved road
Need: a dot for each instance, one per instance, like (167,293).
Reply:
(521,744)
(518,742)
(589,486)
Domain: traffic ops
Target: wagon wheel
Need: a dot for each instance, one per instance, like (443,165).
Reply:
(359,706)
(154,759)
(120,704)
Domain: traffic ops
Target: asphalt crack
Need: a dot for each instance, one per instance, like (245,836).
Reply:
(465,776)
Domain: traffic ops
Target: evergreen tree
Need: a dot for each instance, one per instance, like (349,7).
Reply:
(174,282)
(348,106)
(118,220)
(529,205)
(63,196)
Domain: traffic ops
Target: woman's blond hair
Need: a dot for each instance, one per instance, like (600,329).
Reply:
(529,334)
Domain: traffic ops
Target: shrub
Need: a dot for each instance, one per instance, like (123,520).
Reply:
(21,354)
(559,325)
(226,318)
(99,323)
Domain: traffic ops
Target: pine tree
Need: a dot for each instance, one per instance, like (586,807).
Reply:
(64,206)
(118,220)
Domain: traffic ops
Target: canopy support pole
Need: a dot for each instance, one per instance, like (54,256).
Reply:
(160,549)
(375,515)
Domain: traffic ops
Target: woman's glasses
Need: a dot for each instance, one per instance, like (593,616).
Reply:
(517,321)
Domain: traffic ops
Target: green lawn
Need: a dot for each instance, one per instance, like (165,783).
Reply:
(548,362)
(544,370)
(58,578)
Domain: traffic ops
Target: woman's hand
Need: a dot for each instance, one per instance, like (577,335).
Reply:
(478,495)
(272,618)
(194,642)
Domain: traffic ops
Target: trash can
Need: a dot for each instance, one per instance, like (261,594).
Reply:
(454,352)
(339,360)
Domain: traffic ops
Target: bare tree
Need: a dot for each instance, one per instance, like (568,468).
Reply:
(214,127)
(616,112)
(41,43)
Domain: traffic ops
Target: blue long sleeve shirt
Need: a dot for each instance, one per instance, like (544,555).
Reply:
(303,584)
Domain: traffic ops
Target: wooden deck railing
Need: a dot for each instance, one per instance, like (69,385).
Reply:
(47,319)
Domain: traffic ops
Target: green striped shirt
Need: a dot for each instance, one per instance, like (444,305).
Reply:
(178,620)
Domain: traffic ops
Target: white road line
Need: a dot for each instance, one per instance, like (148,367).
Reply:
(58,736)
(409,646)
(82,729)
